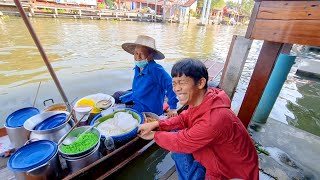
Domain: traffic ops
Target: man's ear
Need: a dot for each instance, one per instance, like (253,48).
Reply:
(202,83)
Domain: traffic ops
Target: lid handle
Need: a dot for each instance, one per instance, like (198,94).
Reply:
(44,102)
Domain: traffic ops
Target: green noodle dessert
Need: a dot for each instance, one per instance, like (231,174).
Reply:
(84,142)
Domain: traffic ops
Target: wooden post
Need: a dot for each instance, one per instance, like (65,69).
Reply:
(237,55)
(260,76)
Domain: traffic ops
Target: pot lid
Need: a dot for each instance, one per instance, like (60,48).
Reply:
(17,118)
(51,122)
(32,155)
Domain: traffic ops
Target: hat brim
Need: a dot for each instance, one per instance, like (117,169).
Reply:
(130,47)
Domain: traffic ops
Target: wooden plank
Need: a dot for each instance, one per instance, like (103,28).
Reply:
(253,18)
(304,32)
(237,56)
(214,68)
(286,10)
(286,48)
(261,73)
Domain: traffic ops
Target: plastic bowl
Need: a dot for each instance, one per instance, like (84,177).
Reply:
(122,138)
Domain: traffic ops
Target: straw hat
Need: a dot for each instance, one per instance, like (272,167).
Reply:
(146,41)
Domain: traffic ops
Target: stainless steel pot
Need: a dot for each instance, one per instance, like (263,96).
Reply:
(17,135)
(56,107)
(75,133)
(75,164)
(53,106)
(52,134)
(49,170)
(34,165)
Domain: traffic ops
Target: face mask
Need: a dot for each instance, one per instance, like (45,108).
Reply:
(141,64)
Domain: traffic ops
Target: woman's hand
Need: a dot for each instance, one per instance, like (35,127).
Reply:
(172,113)
(147,128)
(148,136)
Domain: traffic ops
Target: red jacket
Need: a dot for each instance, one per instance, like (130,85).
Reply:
(215,136)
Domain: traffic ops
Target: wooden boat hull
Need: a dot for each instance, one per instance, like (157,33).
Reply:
(114,161)
(110,163)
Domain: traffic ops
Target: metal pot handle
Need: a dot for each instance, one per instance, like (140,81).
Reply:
(39,170)
(30,140)
(44,102)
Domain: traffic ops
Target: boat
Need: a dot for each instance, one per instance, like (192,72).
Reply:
(112,162)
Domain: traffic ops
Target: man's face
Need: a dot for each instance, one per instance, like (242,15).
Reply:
(140,53)
(186,90)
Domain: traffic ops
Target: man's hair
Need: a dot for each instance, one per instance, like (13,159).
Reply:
(192,68)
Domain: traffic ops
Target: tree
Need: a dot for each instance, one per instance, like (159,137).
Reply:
(214,4)
(246,7)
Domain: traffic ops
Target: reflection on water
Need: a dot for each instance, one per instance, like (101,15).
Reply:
(88,58)
(152,164)
(307,108)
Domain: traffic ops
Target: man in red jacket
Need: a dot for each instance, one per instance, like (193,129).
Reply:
(212,140)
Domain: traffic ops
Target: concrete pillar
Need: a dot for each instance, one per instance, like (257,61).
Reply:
(208,12)
(273,88)
(203,12)
(164,11)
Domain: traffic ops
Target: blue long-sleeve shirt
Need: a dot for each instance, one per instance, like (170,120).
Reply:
(149,88)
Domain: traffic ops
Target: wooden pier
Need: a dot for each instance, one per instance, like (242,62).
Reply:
(76,12)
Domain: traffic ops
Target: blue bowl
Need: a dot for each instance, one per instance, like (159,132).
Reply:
(123,138)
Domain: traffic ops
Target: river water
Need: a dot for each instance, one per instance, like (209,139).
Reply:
(88,58)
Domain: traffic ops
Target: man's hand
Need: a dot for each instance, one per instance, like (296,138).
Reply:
(172,113)
(148,136)
(147,128)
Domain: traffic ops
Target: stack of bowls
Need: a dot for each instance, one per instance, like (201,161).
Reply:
(78,160)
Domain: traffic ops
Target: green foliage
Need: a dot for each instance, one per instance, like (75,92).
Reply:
(61,11)
(244,8)
(101,6)
(214,3)
(45,10)
(110,3)
(217,4)
(194,13)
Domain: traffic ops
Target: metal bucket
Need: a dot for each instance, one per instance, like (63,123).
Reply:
(75,133)
(75,164)
(18,135)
